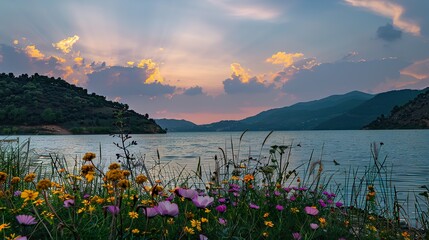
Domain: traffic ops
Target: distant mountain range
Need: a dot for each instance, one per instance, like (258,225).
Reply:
(352,110)
(413,115)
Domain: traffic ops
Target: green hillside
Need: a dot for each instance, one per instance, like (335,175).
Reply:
(42,105)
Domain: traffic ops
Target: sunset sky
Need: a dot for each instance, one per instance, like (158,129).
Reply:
(211,60)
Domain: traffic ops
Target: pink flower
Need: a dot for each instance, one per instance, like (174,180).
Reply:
(222,221)
(112,209)
(311,211)
(202,202)
(167,208)
(292,198)
(221,208)
(203,237)
(26,219)
(296,236)
(314,226)
(68,203)
(279,207)
(187,193)
(322,203)
(339,204)
(150,212)
(254,206)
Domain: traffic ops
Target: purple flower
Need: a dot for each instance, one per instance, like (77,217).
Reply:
(21,238)
(329,201)
(254,206)
(292,198)
(296,236)
(339,204)
(187,193)
(222,200)
(170,198)
(68,203)
(86,196)
(112,209)
(234,188)
(279,207)
(322,203)
(303,189)
(202,202)
(288,189)
(314,226)
(277,193)
(222,221)
(203,237)
(311,211)
(26,219)
(167,208)
(221,208)
(150,212)
(17,193)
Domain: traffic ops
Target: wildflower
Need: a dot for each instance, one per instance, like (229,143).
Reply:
(26,219)
(207,210)
(196,224)
(17,193)
(114,175)
(167,208)
(124,184)
(292,198)
(188,230)
(170,221)
(221,200)
(254,206)
(15,180)
(265,234)
(248,177)
(322,222)
(112,209)
(311,211)
(294,210)
(140,179)
(48,214)
(38,202)
(30,177)
(187,193)
(43,184)
(269,224)
(314,226)
(222,221)
(114,166)
(29,195)
(339,204)
(266,215)
(4,225)
(279,207)
(89,156)
(372,228)
(204,220)
(133,215)
(322,203)
(203,237)
(296,236)
(189,215)
(85,169)
(235,178)
(221,208)
(3,177)
(406,235)
(346,223)
(126,173)
(202,202)
(135,231)
(150,212)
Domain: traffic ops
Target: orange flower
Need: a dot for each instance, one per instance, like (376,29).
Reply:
(248,178)
(89,156)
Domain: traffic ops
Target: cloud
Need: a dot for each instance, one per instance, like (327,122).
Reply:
(341,77)
(418,70)
(388,9)
(66,45)
(122,81)
(33,52)
(79,61)
(234,85)
(193,91)
(243,9)
(283,58)
(389,33)
(152,71)
(239,72)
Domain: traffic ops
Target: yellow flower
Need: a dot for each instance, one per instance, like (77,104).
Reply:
(269,224)
(15,180)
(4,225)
(266,215)
(140,179)
(170,221)
(135,231)
(207,210)
(126,173)
(81,210)
(30,177)
(89,156)
(322,222)
(196,223)
(248,178)
(114,166)
(188,230)
(204,220)
(3,177)
(114,175)
(236,178)
(133,215)
(89,176)
(91,208)
(294,210)
(29,195)
(38,202)
(43,184)
(124,184)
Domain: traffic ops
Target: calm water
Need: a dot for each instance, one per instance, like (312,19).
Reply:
(407,151)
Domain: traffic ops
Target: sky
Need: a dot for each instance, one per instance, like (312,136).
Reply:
(211,60)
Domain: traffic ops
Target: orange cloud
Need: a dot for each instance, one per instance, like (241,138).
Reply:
(16,42)
(59,59)
(152,71)
(33,52)
(418,70)
(286,59)
(68,72)
(240,72)
(78,60)
(130,63)
(66,45)
(390,10)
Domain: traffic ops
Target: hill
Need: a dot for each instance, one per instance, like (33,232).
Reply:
(42,105)
(174,125)
(413,115)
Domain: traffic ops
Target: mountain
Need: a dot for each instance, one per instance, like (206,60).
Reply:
(413,115)
(42,105)
(365,113)
(174,125)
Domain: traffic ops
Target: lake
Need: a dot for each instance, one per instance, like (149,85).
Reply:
(407,151)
